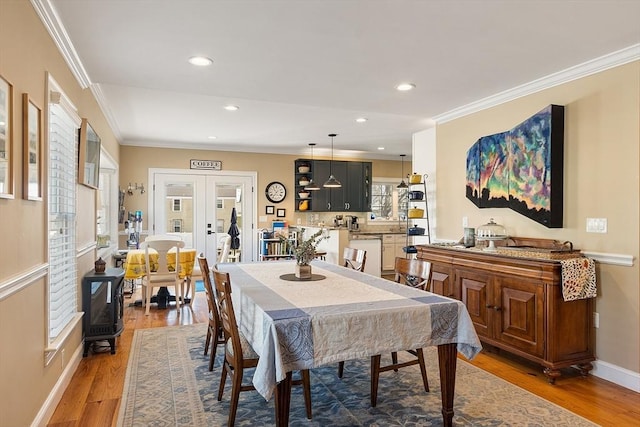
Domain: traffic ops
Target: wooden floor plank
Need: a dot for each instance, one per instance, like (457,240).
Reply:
(93,396)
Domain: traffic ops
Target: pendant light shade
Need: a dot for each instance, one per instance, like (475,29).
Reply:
(332,182)
(312,185)
(402,183)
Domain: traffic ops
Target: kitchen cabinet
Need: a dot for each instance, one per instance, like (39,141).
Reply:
(392,247)
(303,172)
(353,196)
(372,246)
(516,304)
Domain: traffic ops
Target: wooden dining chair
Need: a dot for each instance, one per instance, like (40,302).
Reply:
(354,258)
(162,276)
(239,355)
(215,334)
(415,273)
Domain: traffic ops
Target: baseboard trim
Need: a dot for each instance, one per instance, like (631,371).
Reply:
(49,406)
(617,375)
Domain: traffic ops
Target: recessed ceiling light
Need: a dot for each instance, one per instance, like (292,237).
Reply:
(361,119)
(200,61)
(212,137)
(380,148)
(231,107)
(403,87)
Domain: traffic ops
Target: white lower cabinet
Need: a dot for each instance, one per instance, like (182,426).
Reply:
(392,245)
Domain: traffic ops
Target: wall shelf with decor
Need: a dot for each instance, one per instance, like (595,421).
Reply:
(417,215)
(303,176)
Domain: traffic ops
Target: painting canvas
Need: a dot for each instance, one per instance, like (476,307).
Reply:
(522,168)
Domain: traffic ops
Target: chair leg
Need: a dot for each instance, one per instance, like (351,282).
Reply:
(212,357)
(207,341)
(235,395)
(340,369)
(147,299)
(423,369)
(375,375)
(223,380)
(394,359)
(306,389)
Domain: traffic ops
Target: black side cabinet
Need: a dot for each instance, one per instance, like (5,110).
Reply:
(103,306)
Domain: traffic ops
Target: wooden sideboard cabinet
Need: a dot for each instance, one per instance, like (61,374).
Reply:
(516,305)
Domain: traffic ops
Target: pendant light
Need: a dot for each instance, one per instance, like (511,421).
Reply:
(402,183)
(312,185)
(332,182)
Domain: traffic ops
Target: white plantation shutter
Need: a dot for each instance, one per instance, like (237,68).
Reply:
(63,157)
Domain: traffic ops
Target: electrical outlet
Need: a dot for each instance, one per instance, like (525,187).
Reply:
(465,221)
(596,319)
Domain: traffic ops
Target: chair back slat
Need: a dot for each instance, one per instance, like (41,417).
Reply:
(413,272)
(227,315)
(208,288)
(355,258)
(225,247)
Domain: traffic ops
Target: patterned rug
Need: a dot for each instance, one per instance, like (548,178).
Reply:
(168,384)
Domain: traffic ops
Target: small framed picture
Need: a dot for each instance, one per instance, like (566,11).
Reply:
(269,210)
(281,213)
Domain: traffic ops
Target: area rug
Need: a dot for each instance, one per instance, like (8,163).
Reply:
(168,384)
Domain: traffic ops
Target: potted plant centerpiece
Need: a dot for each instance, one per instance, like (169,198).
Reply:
(305,252)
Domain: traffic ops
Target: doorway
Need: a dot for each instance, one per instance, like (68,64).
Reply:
(198,205)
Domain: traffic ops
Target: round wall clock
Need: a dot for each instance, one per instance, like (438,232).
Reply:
(275,192)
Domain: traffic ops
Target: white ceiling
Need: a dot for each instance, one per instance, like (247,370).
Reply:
(301,69)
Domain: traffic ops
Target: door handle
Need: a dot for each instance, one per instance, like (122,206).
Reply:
(209,232)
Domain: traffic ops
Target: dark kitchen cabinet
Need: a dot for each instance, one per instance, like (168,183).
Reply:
(355,193)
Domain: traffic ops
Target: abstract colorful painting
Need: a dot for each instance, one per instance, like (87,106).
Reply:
(522,168)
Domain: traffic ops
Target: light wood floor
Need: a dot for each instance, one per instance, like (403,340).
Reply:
(93,397)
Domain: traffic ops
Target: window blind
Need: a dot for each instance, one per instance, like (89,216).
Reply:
(63,137)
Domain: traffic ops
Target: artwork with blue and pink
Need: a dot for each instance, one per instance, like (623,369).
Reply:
(521,168)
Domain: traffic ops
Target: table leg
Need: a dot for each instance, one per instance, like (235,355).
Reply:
(447,359)
(283,401)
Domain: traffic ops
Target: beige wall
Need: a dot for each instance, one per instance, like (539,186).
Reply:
(135,162)
(27,53)
(601,168)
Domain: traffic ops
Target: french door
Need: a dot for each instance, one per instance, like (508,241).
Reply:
(198,206)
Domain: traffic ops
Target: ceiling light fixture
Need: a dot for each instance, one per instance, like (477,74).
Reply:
(332,182)
(231,107)
(403,87)
(361,119)
(212,137)
(402,183)
(312,185)
(200,61)
(380,148)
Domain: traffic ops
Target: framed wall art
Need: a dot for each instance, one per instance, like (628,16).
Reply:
(6,139)
(269,210)
(31,149)
(281,213)
(89,156)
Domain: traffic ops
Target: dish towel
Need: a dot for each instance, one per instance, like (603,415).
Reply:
(578,278)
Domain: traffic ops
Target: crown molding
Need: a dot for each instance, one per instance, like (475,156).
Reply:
(98,94)
(51,21)
(611,60)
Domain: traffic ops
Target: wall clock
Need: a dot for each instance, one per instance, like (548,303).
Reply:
(275,192)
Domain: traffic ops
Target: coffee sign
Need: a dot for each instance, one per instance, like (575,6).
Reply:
(206,164)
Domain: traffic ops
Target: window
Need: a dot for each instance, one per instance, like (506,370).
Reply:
(177,205)
(388,203)
(176,225)
(107,203)
(62,306)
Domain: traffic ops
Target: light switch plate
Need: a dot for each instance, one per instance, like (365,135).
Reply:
(596,225)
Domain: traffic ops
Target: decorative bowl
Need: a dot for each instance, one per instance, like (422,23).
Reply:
(304,168)
(303,194)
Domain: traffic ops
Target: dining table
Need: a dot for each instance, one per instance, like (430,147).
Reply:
(135,267)
(338,315)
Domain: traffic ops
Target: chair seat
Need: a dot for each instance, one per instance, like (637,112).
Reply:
(247,351)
